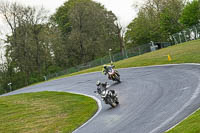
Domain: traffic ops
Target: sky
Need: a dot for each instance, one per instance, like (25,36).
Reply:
(123,9)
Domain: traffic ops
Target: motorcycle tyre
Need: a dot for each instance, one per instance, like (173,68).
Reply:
(117,79)
(113,105)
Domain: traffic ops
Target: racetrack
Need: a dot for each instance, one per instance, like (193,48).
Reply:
(152,99)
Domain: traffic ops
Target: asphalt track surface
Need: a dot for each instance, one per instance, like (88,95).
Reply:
(152,99)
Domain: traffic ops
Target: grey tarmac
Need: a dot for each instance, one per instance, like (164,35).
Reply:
(152,99)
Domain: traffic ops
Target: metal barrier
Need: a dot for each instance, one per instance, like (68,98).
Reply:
(186,35)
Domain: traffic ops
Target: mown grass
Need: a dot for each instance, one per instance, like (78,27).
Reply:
(190,125)
(44,112)
(182,53)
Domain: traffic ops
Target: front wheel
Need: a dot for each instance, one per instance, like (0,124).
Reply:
(113,104)
(116,100)
(117,78)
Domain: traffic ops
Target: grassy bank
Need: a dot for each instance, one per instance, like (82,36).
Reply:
(44,112)
(190,125)
(188,52)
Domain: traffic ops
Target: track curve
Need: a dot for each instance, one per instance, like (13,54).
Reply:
(152,99)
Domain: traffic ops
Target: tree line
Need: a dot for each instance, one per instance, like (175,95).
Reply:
(158,19)
(78,32)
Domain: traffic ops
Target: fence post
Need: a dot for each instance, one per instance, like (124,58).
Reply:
(196,33)
(101,61)
(176,42)
(45,78)
(139,50)
(180,37)
(184,35)
(110,54)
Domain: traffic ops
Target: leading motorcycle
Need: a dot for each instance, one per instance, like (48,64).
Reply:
(114,75)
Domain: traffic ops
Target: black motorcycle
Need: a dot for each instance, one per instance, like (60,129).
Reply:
(108,96)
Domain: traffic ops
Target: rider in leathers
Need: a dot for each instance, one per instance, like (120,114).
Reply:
(103,86)
(107,68)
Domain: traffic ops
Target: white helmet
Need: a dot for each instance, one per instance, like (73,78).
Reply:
(98,83)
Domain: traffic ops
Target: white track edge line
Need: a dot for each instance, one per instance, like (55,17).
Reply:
(99,109)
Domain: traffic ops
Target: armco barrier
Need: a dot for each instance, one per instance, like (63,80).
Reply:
(186,35)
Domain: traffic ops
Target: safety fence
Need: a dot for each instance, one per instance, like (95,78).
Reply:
(107,59)
(185,35)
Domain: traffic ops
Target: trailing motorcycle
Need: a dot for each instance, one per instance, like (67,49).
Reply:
(108,96)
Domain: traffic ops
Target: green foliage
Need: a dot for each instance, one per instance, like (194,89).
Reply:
(53,69)
(28,53)
(169,17)
(2,91)
(156,20)
(79,31)
(191,14)
(137,32)
(92,31)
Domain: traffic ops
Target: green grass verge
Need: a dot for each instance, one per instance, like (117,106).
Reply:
(190,125)
(44,112)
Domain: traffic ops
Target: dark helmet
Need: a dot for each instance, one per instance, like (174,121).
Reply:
(104,66)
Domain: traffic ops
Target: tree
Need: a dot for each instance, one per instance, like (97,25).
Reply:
(155,21)
(28,52)
(92,30)
(121,33)
(191,14)
(2,68)
(170,15)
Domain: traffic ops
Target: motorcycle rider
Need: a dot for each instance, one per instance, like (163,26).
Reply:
(107,68)
(103,86)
